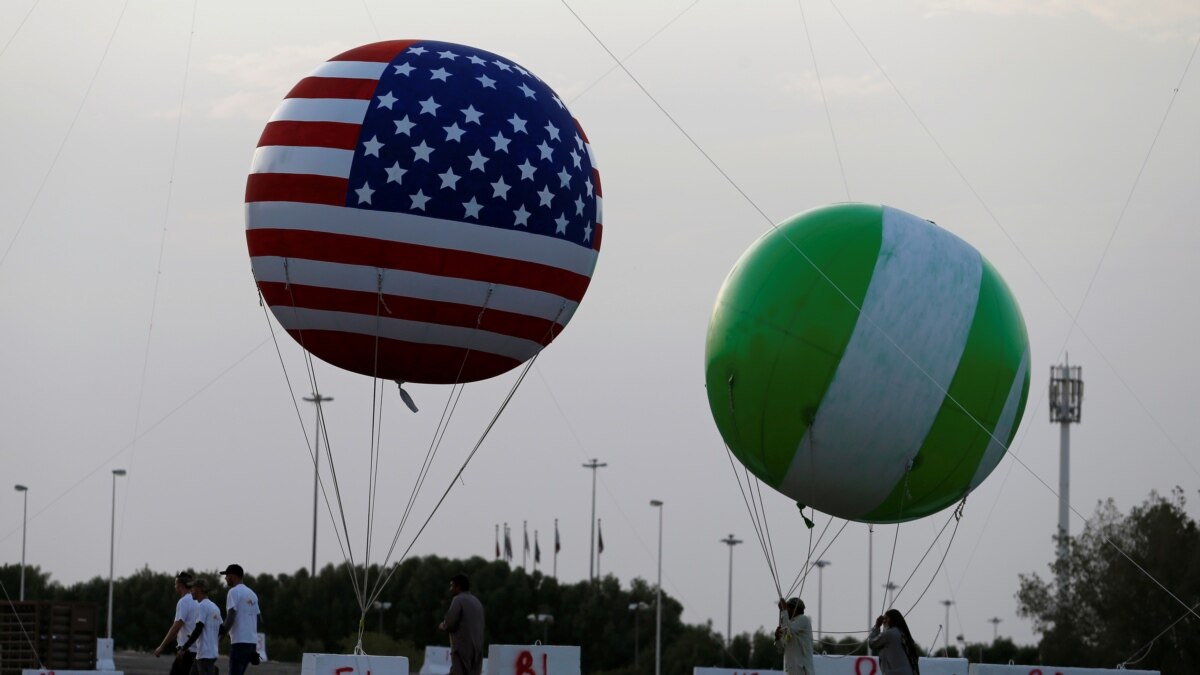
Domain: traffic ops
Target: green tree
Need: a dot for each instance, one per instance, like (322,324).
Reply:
(37,583)
(1104,606)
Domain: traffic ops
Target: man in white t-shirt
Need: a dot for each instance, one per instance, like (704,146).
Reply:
(208,625)
(185,622)
(241,621)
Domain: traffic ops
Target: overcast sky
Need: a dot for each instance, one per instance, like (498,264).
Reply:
(132,336)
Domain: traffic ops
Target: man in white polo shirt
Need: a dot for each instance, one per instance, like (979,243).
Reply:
(208,624)
(241,621)
(181,628)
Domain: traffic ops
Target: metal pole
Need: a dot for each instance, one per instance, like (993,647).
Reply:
(731,542)
(947,603)
(870,578)
(24,520)
(658,594)
(593,465)
(995,621)
(112,538)
(317,399)
(821,565)
(1064,487)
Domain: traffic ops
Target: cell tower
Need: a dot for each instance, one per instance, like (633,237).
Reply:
(1066,408)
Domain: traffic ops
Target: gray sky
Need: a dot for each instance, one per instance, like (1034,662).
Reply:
(132,335)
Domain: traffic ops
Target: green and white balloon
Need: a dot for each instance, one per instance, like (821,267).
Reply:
(867,363)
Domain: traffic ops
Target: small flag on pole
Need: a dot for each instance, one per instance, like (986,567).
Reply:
(497,541)
(507,544)
(600,537)
(557,543)
(537,549)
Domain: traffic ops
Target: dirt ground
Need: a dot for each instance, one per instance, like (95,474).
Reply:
(140,663)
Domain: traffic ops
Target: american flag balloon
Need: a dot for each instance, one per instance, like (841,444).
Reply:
(424,212)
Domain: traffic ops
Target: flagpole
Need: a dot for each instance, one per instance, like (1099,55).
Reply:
(600,550)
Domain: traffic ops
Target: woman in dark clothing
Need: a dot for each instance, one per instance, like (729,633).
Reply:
(894,642)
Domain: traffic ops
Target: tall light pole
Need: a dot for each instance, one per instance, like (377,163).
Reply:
(889,592)
(112,540)
(317,399)
(821,565)
(24,519)
(730,541)
(636,608)
(947,603)
(656,503)
(593,465)
(995,621)
(382,607)
(1066,408)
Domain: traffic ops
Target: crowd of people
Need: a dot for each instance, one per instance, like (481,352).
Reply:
(198,626)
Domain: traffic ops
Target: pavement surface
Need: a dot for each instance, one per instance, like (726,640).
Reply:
(141,663)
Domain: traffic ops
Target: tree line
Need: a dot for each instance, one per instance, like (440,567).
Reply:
(1099,608)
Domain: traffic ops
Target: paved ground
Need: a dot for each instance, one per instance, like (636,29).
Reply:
(139,663)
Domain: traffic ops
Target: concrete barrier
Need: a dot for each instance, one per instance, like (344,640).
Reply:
(48,671)
(437,661)
(734,671)
(869,665)
(104,654)
(997,669)
(532,660)
(353,664)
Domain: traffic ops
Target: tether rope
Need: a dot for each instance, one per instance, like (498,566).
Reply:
(812,52)
(70,128)
(636,49)
(342,546)
(162,244)
(21,25)
(457,475)
(754,523)
(1130,660)
(106,462)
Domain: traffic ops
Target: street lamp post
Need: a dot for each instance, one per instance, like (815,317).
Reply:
(24,519)
(947,603)
(657,503)
(636,608)
(112,541)
(593,465)
(889,592)
(730,542)
(821,565)
(995,621)
(317,399)
(382,607)
(545,620)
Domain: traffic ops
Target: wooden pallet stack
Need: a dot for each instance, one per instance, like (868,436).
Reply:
(54,635)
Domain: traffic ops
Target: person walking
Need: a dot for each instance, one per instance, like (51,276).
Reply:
(794,638)
(241,621)
(208,626)
(186,612)
(464,623)
(894,643)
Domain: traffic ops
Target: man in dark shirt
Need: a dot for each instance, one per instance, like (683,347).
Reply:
(464,623)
